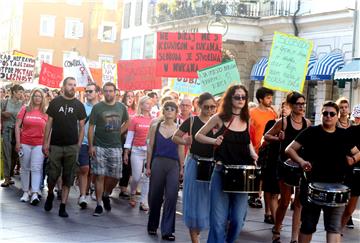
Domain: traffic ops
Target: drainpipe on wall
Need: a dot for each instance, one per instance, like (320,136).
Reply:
(296,30)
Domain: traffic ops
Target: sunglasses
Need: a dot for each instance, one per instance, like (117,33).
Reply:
(238,97)
(300,104)
(169,108)
(327,113)
(209,107)
(89,91)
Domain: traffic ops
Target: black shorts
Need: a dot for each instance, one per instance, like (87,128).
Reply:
(310,215)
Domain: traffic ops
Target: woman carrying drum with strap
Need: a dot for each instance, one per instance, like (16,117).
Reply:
(233,147)
(285,131)
(196,195)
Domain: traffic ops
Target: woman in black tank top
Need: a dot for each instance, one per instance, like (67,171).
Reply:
(232,146)
(285,131)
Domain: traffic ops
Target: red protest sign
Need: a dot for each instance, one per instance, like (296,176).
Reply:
(50,75)
(181,55)
(137,74)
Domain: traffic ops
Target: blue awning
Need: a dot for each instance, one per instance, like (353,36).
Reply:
(259,69)
(311,65)
(325,68)
(349,71)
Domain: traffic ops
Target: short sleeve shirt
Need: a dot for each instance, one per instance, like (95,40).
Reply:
(108,120)
(326,152)
(66,114)
(88,107)
(33,126)
(13,107)
(140,126)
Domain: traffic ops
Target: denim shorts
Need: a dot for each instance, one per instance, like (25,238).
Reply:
(107,162)
(310,215)
(84,158)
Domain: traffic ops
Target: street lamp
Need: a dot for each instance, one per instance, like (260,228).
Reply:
(218,24)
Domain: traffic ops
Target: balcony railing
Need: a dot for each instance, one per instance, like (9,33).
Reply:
(244,9)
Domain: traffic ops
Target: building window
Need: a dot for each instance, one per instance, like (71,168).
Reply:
(74,2)
(125,49)
(127,11)
(45,55)
(138,12)
(110,4)
(105,58)
(69,54)
(107,32)
(47,25)
(136,48)
(74,28)
(149,46)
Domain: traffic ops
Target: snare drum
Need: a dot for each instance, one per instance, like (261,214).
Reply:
(328,194)
(241,178)
(205,167)
(292,173)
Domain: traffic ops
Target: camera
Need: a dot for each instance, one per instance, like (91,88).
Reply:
(21,153)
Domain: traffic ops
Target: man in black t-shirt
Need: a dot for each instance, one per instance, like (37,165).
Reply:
(325,159)
(66,124)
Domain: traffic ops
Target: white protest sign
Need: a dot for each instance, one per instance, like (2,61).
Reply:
(76,67)
(109,72)
(17,68)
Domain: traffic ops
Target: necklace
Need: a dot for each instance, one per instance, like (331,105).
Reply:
(344,124)
(235,114)
(297,122)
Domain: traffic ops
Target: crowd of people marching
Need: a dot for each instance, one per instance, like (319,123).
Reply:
(221,151)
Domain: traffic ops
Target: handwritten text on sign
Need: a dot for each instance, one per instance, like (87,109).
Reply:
(50,76)
(288,62)
(76,67)
(187,86)
(183,54)
(137,74)
(16,68)
(217,79)
(109,72)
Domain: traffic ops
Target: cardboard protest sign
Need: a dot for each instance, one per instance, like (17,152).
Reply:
(217,79)
(96,74)
(109,72)
(181,55)
(76,67)
(288,63)
(186,86)
(22,54)
(50,76)
(137,74)
(16,68)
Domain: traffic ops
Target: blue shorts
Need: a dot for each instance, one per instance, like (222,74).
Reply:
(84,158)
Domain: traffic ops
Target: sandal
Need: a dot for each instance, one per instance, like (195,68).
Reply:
(276,235)
(132,202)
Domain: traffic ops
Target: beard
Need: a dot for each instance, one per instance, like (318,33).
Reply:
(109,99)
(69,93)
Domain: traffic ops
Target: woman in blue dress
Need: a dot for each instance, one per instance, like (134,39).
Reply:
(196,201)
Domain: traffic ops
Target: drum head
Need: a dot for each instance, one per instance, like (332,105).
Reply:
(329,187)
(291,163)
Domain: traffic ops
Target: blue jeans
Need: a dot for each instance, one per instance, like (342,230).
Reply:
(225,207)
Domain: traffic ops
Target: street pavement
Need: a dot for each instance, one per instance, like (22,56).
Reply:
(22,222)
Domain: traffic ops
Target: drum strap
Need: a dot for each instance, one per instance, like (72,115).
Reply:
(191,127)
(225,131)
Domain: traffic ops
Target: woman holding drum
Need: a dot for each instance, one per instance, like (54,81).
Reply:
(285,131)
(324,158)
(198,168)
(234,154)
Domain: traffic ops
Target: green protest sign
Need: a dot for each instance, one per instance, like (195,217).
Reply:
(216,79)
(288,63)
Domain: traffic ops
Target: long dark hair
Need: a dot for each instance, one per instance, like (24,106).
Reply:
(225,109)
(124,99)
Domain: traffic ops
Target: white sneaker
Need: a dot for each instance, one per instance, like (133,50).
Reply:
(34,199)
(83,202)
(93,196)
(25,197)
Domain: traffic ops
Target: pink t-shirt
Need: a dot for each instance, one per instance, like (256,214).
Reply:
(33,126)
(140,126)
